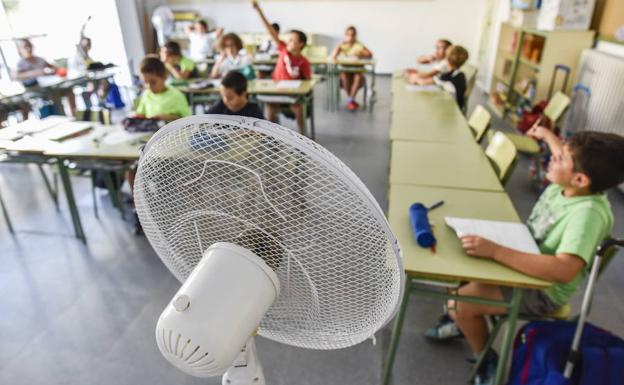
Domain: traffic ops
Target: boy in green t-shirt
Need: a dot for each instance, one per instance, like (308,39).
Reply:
(160,101)
(569,221)
(180,67)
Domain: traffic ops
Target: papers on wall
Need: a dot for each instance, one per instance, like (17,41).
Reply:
(508,234)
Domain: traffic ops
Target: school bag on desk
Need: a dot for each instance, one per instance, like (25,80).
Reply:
(570,352)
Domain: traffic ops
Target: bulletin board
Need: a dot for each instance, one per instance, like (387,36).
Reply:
(611,21)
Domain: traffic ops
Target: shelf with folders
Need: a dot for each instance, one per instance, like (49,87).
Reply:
(525,64)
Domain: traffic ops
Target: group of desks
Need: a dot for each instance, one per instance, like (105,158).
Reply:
(12,93)
(329,67)
(435,157)
(64,142)
(292,92)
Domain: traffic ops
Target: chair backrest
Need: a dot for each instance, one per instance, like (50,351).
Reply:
(470,72)
(502,154)
(479,122)
(100,115)
(315,51)
(556,106)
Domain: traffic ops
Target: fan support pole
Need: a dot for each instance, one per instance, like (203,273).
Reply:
(246,369)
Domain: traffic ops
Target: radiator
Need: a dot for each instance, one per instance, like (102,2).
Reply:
(598,98)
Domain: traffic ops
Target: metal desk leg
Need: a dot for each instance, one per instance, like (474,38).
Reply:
(396,334)
(304,112)
(71,201)
(6,215)
(53,191)
(311,112)
(112,190)
(508,338)
(373,96)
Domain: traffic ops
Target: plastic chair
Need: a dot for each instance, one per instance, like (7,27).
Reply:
(605,253)
(470,72)
(502,153)
(553,111)
(315,52)
(479,122)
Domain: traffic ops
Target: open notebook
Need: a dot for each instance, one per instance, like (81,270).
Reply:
(508,234)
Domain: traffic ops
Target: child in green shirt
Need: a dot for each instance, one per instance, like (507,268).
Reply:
(160,101)
(569,221)
(180,67)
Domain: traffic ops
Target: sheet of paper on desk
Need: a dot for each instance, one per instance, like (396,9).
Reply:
(508,234)
(417,88)
(32,126)
(120,137)
(66,130)
(288,84)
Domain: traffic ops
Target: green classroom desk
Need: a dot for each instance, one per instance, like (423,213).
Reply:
(93,147)
(453,165)
(438,124)
(450,263)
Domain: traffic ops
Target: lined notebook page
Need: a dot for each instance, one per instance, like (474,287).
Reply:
(508,234)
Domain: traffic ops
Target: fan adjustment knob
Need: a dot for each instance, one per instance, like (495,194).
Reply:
(182,302)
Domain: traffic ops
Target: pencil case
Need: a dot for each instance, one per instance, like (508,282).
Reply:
(421,228)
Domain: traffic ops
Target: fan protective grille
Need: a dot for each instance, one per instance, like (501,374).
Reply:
(208,179)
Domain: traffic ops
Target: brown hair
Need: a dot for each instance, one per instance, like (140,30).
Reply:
(173,48)
(232,37)
(351,28)
(600,156)
(303,39)
(235,81)
(447,43)
(152,65)
(456,56)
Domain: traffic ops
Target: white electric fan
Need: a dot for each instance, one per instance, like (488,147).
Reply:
(270,234)
(162,20)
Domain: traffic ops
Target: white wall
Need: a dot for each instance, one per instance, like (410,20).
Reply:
(396,31)
(611,48)
(129,21)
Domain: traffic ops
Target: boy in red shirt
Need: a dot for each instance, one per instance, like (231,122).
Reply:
(291,65)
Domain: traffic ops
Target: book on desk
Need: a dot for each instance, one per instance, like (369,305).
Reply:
(509,234)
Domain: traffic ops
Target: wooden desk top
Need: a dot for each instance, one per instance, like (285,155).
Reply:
(104,143)
(450,261)
(452,165)
(262,87)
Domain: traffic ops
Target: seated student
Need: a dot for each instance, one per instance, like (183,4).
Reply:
(178,66)
(268,46)
(159,101)
(234,98)
(201,40)
(291,65)
(568,222)
(437,60)
(81,59)
(231,58)
(453,81)
(80,62)
(30,67)
(351,82)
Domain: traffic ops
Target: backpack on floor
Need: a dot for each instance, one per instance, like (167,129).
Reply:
(541,350)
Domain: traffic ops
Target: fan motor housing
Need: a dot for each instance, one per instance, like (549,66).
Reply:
(218,308)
